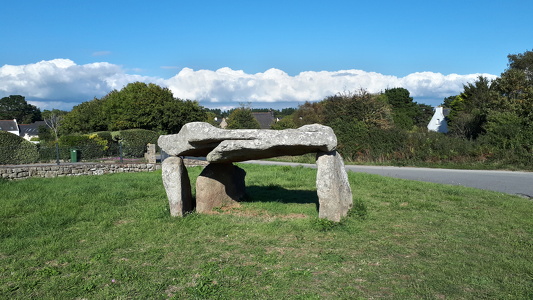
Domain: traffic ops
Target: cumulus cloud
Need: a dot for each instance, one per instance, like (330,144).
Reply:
(227,85)
(61,83)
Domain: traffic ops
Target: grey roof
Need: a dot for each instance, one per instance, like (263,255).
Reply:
(265,119)
(31,129)
(446,111)
(8,125)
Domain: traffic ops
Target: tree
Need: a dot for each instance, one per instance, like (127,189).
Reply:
(522,62)
(357,118)
(499,112)
(424,114)
(285,123)
(177,113)
(469,110)
(138,105)
(242,118)
(405,112)
(16,107)
(448,101)
(371,110)
(52,119)
(85,117)
(309,113)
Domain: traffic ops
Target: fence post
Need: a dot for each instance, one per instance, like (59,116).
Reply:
(120,150)
(57,153)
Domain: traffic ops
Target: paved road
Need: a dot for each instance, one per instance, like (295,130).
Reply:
(516,183)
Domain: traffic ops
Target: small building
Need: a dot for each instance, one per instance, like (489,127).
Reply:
(438,122)
(10,126)
(265,119)
(29,131)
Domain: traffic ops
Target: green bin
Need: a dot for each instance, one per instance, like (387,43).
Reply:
(73,155)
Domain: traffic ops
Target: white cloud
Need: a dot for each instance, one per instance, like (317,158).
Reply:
(61,83)
(227,85)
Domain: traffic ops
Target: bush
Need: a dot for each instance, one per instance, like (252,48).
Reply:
(134,141)
(89,145)
(16,150)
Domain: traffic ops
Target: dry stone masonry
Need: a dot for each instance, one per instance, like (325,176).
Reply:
(222,184)
(78,169)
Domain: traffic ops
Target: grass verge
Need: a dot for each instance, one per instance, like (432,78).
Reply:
(105,237)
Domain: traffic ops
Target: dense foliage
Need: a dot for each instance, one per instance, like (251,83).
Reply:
(134,141)
(16,150)
(137,105)
(242,118)
(490,121)
(16,107)
(498,114)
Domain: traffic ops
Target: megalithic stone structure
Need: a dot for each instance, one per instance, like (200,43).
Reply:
(178,186)
(222,146)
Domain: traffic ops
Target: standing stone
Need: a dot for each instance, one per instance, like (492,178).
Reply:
(333,188)
(178,186)
(219,185)
(150,154)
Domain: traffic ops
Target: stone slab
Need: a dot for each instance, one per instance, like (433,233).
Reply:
(178,186)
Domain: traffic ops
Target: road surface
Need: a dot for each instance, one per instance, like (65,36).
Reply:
(509,182)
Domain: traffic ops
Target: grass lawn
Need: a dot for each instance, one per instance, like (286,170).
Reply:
(111,237)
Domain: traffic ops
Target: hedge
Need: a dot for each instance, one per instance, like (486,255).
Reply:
(16,150)
(134,141)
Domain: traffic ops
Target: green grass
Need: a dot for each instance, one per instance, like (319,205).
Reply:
(111,237)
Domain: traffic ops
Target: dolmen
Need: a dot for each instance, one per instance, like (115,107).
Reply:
(222,184)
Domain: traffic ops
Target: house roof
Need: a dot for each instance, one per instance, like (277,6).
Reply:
(31,129)
(8,125)
(265,119)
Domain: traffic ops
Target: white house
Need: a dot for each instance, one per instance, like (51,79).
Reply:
(10,126)
(26,131)
(438,121)
(29,131)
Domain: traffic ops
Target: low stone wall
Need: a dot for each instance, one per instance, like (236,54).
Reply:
(50,171)
(78,169)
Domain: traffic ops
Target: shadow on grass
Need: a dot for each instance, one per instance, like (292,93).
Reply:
(275,193)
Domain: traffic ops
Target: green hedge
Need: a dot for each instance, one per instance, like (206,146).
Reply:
(16,150)
(89,146)
(134,141)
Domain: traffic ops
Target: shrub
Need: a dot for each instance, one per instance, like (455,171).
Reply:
(16,150)
(89,145)
(134,141)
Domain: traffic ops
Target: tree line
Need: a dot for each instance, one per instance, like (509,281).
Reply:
(490,120)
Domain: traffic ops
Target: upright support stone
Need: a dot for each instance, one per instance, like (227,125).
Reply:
(222,184)
(178,186)
(333,188)
(219,185)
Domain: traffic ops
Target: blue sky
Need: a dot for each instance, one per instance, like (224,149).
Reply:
(272,53)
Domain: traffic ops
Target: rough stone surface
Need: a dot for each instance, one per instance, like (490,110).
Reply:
(222,184)
(150,154)
(222,145)
(178,186)
(333,188)
(73,169)
(219,185)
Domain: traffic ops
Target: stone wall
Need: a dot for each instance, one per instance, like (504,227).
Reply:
(50,171)
(78,169)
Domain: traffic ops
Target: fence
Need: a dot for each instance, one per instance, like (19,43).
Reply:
(118,152)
